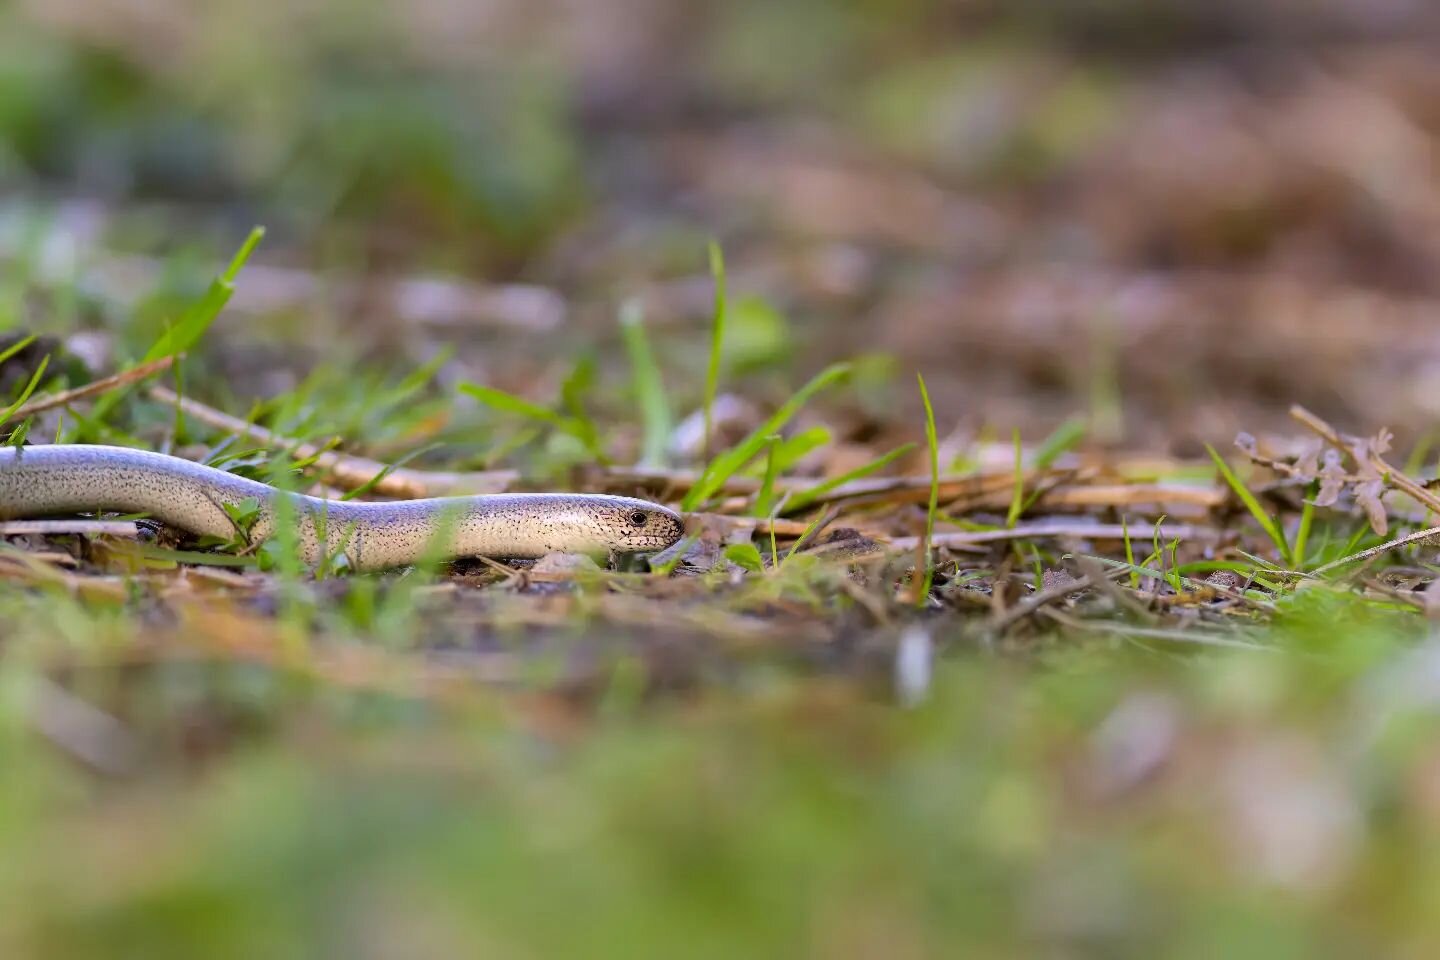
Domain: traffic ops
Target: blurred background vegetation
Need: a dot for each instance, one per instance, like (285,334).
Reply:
(1025,193)
(1174,216)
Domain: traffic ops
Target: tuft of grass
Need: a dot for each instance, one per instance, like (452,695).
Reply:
(1267,522)
(656,419)
(727,464)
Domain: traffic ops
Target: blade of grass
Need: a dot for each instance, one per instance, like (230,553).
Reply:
(572,397)
(1301,548)
(18,435)
(806,497)
(1130,553)
(1174,548)
(745,555)
(765,500)
(933,443)
(1061,441)
(16,347)
(794,449)
(1017,496)
(655,416)
(727,464)
(390,468)
(1267,523)
(510,403)
(1158,556)
(825,519)
(581,429)
(1420,452)
(196,320)
(29,389)
(717,343)
(193,323)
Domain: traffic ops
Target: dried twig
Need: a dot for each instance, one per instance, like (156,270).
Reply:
(346,471)
(104,385)
(1416,537)
(1086,531)
(1035,601)
(51,528)
(1107,495)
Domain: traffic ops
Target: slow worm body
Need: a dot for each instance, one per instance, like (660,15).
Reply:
(66,479)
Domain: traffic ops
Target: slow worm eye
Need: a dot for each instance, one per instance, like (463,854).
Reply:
(637,518)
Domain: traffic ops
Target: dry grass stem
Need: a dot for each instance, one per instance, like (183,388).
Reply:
(344,470)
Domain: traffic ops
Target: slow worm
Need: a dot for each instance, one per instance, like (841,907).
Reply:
(48,480)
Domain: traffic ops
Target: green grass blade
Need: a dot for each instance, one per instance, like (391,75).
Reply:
(16,347)
(1301,547)
(805,536)
(804,498)
(717,343)
(18,435)
(1267,523)
(510,403)
(580,424)
(655,415)
(933,443)
(1129,553)
(791,451)
(1061,441)
(390,468)
(745,555)
(29,389)
(723,467)
(197,320)
(1017,496)
(765,500)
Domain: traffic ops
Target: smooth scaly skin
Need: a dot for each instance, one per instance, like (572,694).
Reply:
(64,479)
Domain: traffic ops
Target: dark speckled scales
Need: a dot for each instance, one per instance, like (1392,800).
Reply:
(67,479)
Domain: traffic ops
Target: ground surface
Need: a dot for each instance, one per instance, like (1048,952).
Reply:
(1136,697)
